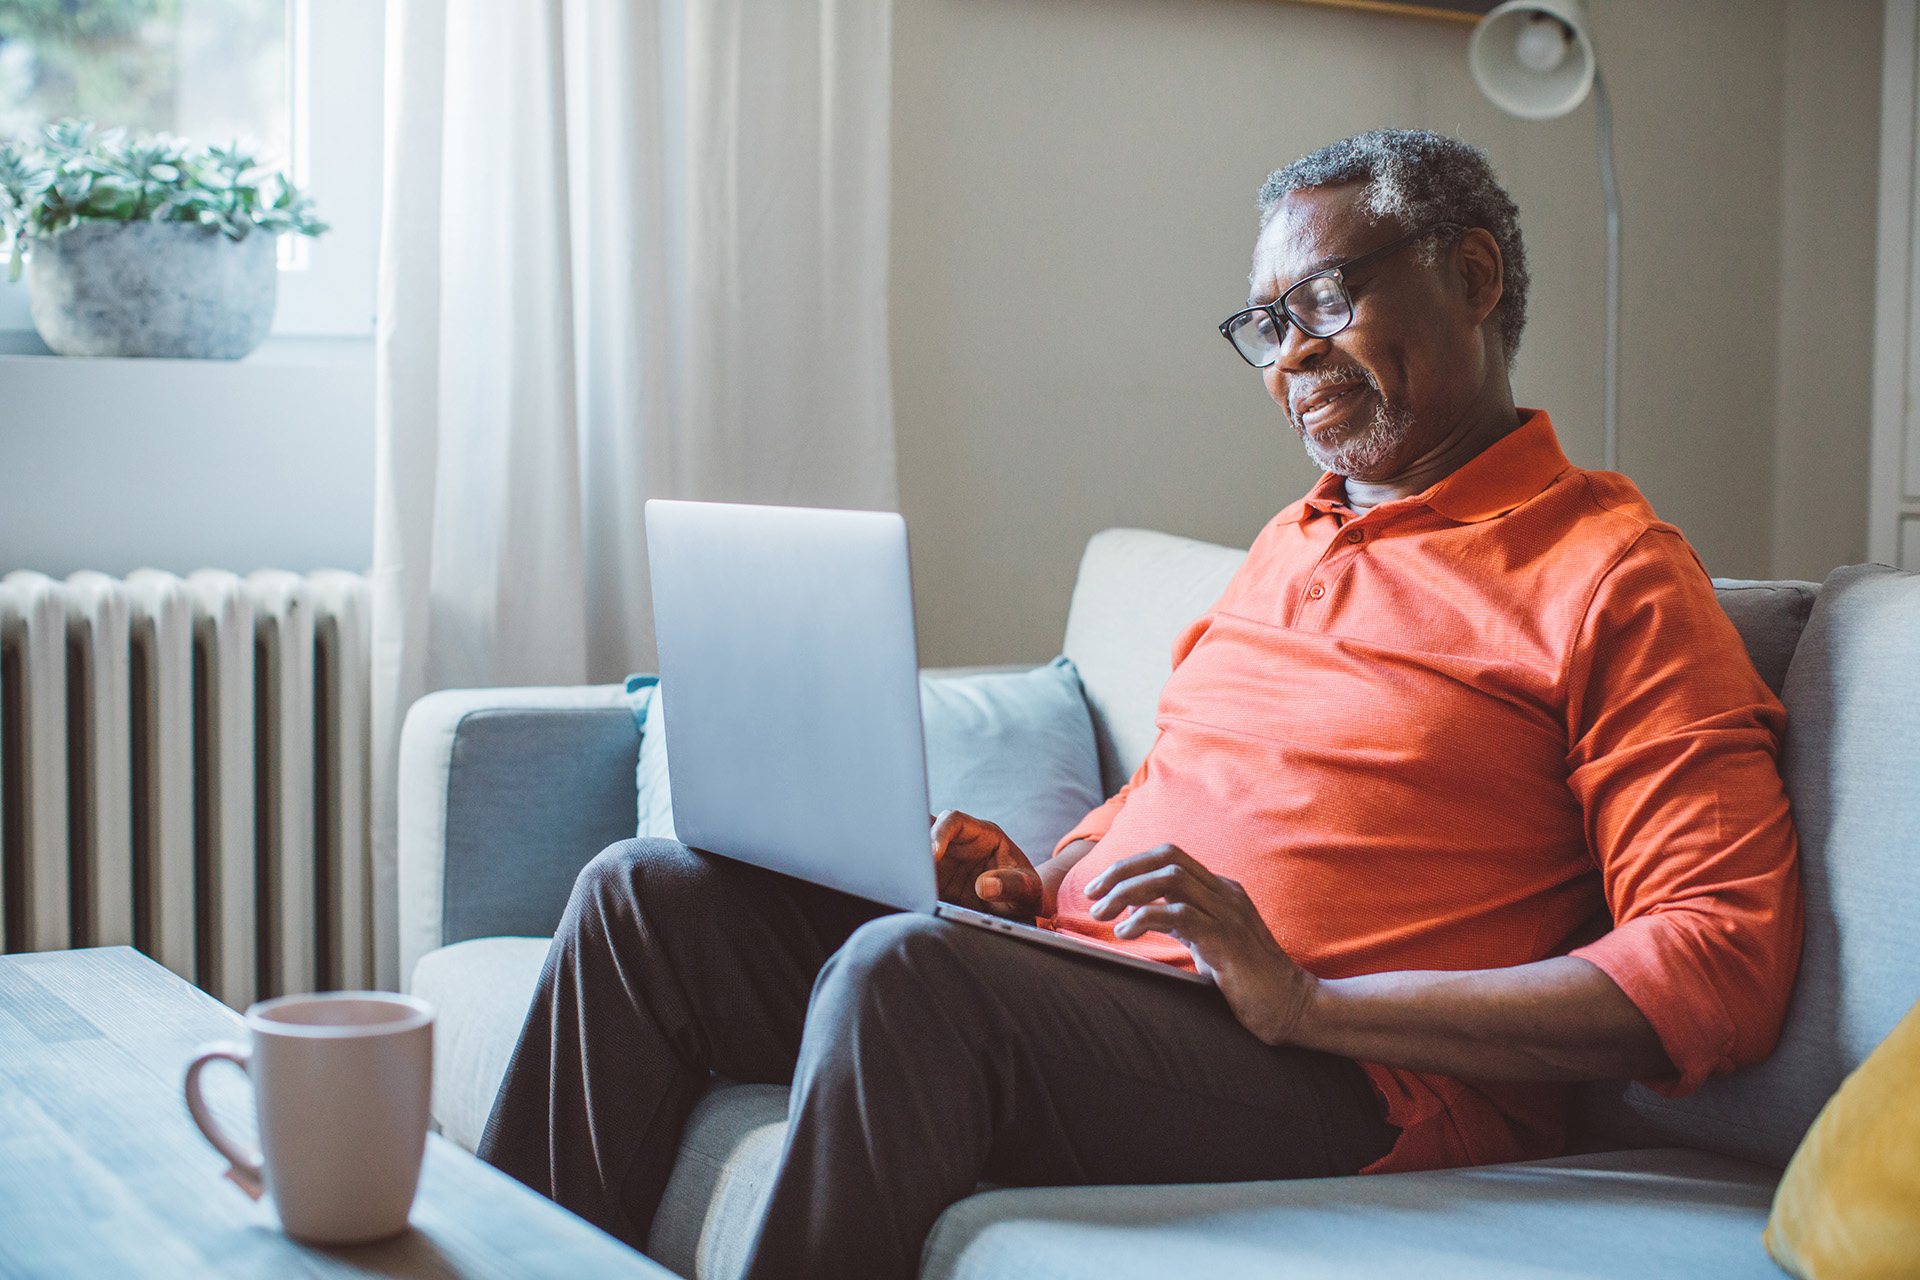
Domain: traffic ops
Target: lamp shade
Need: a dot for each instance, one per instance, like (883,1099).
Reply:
(1533,58)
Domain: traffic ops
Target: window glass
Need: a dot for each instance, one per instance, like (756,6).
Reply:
(206,70)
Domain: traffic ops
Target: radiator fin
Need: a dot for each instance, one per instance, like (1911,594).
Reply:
(100,756)
(33,627)
(161,652)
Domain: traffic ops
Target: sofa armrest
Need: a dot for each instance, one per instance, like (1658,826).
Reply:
(504,795)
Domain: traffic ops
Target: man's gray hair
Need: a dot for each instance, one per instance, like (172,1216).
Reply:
(1415,178)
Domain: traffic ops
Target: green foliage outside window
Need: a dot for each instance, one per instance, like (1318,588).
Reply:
(111,59)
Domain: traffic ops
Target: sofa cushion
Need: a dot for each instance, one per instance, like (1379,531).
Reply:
(480,991)
(1136,591)
(1851,760)
(1642,1214)
(718,1189)
(1769,617)
(1638,1215)
(654,811)
(1016,749)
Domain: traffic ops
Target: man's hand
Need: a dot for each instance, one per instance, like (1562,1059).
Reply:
(1164,889)
(979,867)
(1561,1018)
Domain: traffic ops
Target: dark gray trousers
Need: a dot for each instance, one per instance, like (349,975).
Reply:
(924,1057)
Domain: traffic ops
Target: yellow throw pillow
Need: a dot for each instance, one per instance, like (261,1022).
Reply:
(1848,1207)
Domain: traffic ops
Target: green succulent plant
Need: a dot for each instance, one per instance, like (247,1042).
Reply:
(78,173)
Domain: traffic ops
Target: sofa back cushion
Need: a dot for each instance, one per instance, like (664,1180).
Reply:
(1769,617)
(1137,589)
(1852,766)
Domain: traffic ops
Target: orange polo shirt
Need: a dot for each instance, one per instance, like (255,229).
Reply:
(1498,721)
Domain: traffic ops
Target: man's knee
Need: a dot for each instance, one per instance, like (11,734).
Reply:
(658,872)
(909,955)
(903,989)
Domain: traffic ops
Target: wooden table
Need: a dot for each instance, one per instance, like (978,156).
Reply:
(102,1172)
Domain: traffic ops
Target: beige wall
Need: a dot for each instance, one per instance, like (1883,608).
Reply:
(1830,193)
(1073,184)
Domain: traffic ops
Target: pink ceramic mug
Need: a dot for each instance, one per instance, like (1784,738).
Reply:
(342,1083)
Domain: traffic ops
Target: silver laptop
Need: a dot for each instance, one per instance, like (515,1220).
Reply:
(789,673)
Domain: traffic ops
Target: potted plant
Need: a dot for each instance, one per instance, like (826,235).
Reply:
(146,246)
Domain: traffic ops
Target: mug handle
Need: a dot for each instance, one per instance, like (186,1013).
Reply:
(243,1165)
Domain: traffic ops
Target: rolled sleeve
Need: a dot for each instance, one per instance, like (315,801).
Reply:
(1657,961)
(1674,758)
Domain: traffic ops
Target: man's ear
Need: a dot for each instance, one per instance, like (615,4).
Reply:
(1482,272)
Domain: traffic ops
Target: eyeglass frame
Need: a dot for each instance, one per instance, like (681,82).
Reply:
(1282,315)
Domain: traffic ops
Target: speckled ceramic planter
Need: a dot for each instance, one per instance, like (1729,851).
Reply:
(152,289)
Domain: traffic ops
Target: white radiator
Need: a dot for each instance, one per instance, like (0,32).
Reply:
(184,768)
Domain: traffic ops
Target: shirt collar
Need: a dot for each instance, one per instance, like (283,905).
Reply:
(1515,468)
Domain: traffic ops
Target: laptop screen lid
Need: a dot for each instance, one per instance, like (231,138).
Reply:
(790,682)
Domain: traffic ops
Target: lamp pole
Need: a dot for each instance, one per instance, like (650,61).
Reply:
(1534,58)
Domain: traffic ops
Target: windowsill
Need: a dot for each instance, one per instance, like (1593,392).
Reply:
(23,347)
(113,463)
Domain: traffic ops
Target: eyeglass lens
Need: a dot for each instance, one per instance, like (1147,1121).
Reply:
(1319,305)
(1255,337)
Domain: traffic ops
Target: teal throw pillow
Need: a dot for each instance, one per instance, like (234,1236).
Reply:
(1015,748)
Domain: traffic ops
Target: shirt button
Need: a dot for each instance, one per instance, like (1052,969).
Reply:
(1315,591)
(1356,535)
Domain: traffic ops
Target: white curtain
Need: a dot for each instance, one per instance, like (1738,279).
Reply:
(629,249)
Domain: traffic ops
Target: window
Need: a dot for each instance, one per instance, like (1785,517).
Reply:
(298,79)
(204,69)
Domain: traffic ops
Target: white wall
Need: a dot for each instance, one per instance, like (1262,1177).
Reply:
(187,464)
(1073,184)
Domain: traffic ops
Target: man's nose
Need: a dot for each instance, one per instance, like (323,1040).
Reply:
(1297,348)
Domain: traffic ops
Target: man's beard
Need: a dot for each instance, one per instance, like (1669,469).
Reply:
(1363,448)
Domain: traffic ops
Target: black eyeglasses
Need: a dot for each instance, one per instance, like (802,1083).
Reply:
(1320,305)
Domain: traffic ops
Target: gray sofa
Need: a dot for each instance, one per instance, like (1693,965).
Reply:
(506,793)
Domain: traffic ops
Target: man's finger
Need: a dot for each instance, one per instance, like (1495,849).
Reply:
(1172,882)
(1140,863)
(1176,919)
(947,824)
(1008,884)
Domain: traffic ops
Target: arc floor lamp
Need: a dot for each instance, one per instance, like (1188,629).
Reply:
(1534,59)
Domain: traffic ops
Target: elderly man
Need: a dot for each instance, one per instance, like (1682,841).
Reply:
(1465,789)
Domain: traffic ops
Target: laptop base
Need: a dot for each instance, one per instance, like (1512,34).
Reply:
(1064,942)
